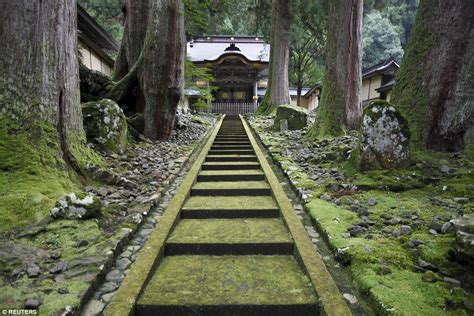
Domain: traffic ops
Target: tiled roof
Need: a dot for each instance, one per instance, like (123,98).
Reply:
(212,48)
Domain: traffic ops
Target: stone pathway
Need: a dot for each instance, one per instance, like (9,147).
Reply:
(235,245)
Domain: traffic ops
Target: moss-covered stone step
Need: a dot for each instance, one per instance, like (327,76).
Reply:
(231,158)
(230,207)
(233,147)
(230,175)
(230,165)
(231,143)
(228,285)
(231,152)
(232,137)
(266,236)
(231,188)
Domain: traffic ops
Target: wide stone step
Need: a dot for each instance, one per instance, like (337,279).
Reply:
(231,158)
(231,143)
(266,236)
(231,165)
(230,207)
(228,285)
(230,175)
(241,147)
(231,188)
(231,152)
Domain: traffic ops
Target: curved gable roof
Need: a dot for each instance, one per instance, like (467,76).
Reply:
(213,48)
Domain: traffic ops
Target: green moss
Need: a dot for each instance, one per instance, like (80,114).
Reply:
(231,185)
(390,291)
(210,280)
(230,202)
(266,107)
(410,94)
(255,230)
(47,293)
(33,173)
(63,235)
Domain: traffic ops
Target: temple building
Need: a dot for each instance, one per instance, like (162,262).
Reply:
(378,81)
(239,65)
(95,44)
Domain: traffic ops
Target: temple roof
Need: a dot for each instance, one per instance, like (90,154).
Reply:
(213,48)
(388,66)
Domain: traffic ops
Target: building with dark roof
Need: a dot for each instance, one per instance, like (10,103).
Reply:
(95,44)
(378,80)
(239,65)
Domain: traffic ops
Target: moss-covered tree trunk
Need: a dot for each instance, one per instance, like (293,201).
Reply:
(434,88)
(39,84)
(340,106)
(277,92)
(155,79)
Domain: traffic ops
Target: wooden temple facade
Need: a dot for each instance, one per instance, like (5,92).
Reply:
(239,65)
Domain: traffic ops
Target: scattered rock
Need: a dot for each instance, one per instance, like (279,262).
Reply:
(430,276)
(350,298)
(372,201)
(427,265)
(464,243)
(444,169)
(283,125)
(446,227)
(453,282)
(72,208)
(296,117)
(356,230)
(461,200)
(94,307)
(405,230)
(385,138)
(32,304)
(32,269)
(59,268)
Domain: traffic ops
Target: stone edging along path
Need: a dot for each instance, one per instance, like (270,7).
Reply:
(157,249)
(127,248)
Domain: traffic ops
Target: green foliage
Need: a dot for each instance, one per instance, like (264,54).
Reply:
(307,43)
(193,74)
(401,14)
(107,13)
(380,40)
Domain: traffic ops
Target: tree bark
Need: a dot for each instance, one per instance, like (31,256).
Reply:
(39,85)
(280,85)
(162,74)
(280,10)
(340,106)
(155,80)
(434,88)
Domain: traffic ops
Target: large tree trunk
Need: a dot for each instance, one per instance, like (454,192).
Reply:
(135,25)
(39,84)
(280,57)
(277,92)
(435,83)
(162,74)
(155,57)
(341,107)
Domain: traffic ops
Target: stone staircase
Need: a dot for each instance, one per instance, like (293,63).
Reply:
(230,253)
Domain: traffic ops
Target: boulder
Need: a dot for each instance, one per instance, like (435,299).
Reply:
(73,208)
(105,125)
(385,138)
(297,117)
(464,242)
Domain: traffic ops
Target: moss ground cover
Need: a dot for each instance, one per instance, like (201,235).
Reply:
(382,260)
